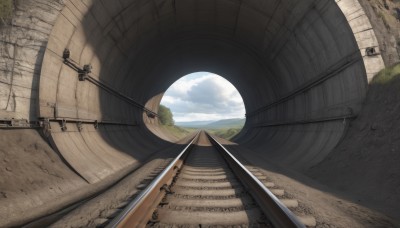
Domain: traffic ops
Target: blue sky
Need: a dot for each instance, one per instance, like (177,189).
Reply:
(203,96)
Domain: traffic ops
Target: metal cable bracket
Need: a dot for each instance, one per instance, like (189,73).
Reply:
(84,75)
(330,72)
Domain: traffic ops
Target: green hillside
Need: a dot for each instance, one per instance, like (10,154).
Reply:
(167,123)
(226,128)
(225,133)
(227,123)
(193,124)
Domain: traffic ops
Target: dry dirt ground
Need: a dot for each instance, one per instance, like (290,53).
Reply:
(331,208)
(32,175)
(95,211)
(35,181)
(367,162)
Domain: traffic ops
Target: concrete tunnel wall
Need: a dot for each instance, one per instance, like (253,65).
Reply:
(267,49)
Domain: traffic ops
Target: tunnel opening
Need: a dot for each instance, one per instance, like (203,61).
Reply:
(204,100)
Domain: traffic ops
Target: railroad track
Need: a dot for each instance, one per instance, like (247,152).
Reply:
(207,186)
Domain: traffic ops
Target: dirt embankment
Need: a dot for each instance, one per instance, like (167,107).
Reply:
(367,162)
(32,175)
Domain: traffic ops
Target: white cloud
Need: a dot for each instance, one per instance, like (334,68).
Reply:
(203,96)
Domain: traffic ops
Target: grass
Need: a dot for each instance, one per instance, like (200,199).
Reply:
(176,131)
(226,133)
(387,74)
(6,10)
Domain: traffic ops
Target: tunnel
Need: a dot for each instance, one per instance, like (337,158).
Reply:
(91,74)
(291,62)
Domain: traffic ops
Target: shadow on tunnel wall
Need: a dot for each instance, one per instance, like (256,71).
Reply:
(143,70)
(136,141)
(363,167)
(130,54)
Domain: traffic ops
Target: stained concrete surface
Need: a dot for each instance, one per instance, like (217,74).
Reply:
(177,38)
(267,49)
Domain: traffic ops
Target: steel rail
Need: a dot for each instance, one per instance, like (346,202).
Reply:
(278,214)
(139,211)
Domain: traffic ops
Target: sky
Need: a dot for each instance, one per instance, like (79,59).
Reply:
(203,96)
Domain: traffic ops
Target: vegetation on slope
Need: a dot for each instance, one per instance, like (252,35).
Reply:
(6,10)
(386,75)
(167,123)
(226,133)
(175,131)
(226,128)
(226,124)
(165,116)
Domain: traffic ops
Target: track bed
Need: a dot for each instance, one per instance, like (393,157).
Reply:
(206,192)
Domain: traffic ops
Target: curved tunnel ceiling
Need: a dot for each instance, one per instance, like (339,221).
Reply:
(299,66)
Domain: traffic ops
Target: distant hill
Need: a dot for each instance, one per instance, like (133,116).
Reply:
(227,123)
(193,124)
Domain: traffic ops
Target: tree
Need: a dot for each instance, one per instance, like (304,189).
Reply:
(165,116)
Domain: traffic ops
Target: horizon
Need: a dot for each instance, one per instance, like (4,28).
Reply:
(203,96)
(209,120)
